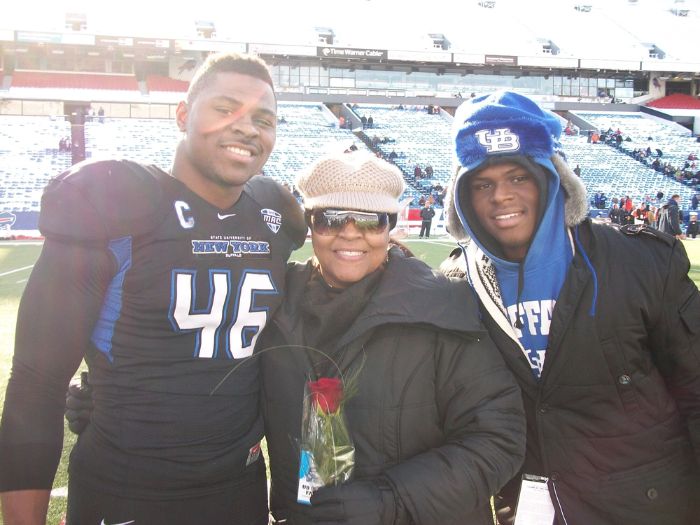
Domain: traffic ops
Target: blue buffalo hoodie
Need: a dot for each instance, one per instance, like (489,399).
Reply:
(501,128)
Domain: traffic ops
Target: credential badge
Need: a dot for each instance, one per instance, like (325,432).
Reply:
(272,218)
(499,140)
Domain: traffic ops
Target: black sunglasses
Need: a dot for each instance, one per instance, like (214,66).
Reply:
(331,222)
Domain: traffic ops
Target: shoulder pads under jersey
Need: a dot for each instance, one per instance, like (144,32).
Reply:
(95,201)
(269,193)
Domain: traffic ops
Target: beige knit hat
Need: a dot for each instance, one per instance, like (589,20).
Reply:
(352,181)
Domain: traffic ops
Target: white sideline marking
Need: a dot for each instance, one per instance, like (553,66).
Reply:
(60,492)
(437,242)
(17,270)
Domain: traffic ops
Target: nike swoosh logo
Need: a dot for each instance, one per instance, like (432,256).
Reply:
(221,216)
(103,522)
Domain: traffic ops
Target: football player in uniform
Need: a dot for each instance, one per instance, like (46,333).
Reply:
(162,282)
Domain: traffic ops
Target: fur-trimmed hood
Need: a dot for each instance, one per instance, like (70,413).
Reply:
(576,202)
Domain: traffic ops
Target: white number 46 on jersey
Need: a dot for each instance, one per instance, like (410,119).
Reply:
(244,321)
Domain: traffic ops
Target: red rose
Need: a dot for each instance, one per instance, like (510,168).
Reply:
(327,393)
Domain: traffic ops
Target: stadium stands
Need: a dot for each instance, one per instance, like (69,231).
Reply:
(676,101)
(603,168)
(161,83)
(150,141)
(675,141)
(29,157)
(305,132)
(417,137)
(39,79)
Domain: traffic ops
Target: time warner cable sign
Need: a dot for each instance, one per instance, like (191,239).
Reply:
(348,52)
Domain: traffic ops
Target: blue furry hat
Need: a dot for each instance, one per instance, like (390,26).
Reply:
(504,124)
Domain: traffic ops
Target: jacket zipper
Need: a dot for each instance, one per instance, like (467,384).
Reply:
(556,497)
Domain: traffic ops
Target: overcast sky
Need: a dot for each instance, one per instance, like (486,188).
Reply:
(359,23)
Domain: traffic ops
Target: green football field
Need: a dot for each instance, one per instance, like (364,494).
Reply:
(17,259)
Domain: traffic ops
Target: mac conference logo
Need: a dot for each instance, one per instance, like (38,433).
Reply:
(272,219)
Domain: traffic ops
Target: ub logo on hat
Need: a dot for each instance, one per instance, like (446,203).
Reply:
(504,123)
(498,140)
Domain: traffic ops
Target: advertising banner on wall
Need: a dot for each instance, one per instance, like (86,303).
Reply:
(351,52)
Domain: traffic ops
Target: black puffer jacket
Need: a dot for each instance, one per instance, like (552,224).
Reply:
(614,420)
(437,413)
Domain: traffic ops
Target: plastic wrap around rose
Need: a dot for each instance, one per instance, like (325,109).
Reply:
(327,451)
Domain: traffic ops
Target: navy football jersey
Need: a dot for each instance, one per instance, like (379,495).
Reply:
(177,293)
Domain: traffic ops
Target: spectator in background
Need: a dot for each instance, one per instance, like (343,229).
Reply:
(615,214)
(694,202)
(429,171)
(693,229)
(363,119)
(417,172)
(652,216)
(577,170)
(603,201)
(101,114)
(370,122)
(641,214)
(670,217)
(426,214)
(629,205)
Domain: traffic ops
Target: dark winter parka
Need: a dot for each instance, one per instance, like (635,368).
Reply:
(437,414)
(614,420)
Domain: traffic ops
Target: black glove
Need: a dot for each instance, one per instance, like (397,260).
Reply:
(79,404)
(367,502)
(505,514)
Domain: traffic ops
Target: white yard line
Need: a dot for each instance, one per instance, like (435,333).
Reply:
(59,492)
(439,243)
(20,243)
(17,270)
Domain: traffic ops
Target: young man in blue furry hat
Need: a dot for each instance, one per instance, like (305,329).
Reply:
(611,387)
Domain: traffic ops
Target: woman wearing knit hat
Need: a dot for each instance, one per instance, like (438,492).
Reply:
(606,351)
(436,418)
